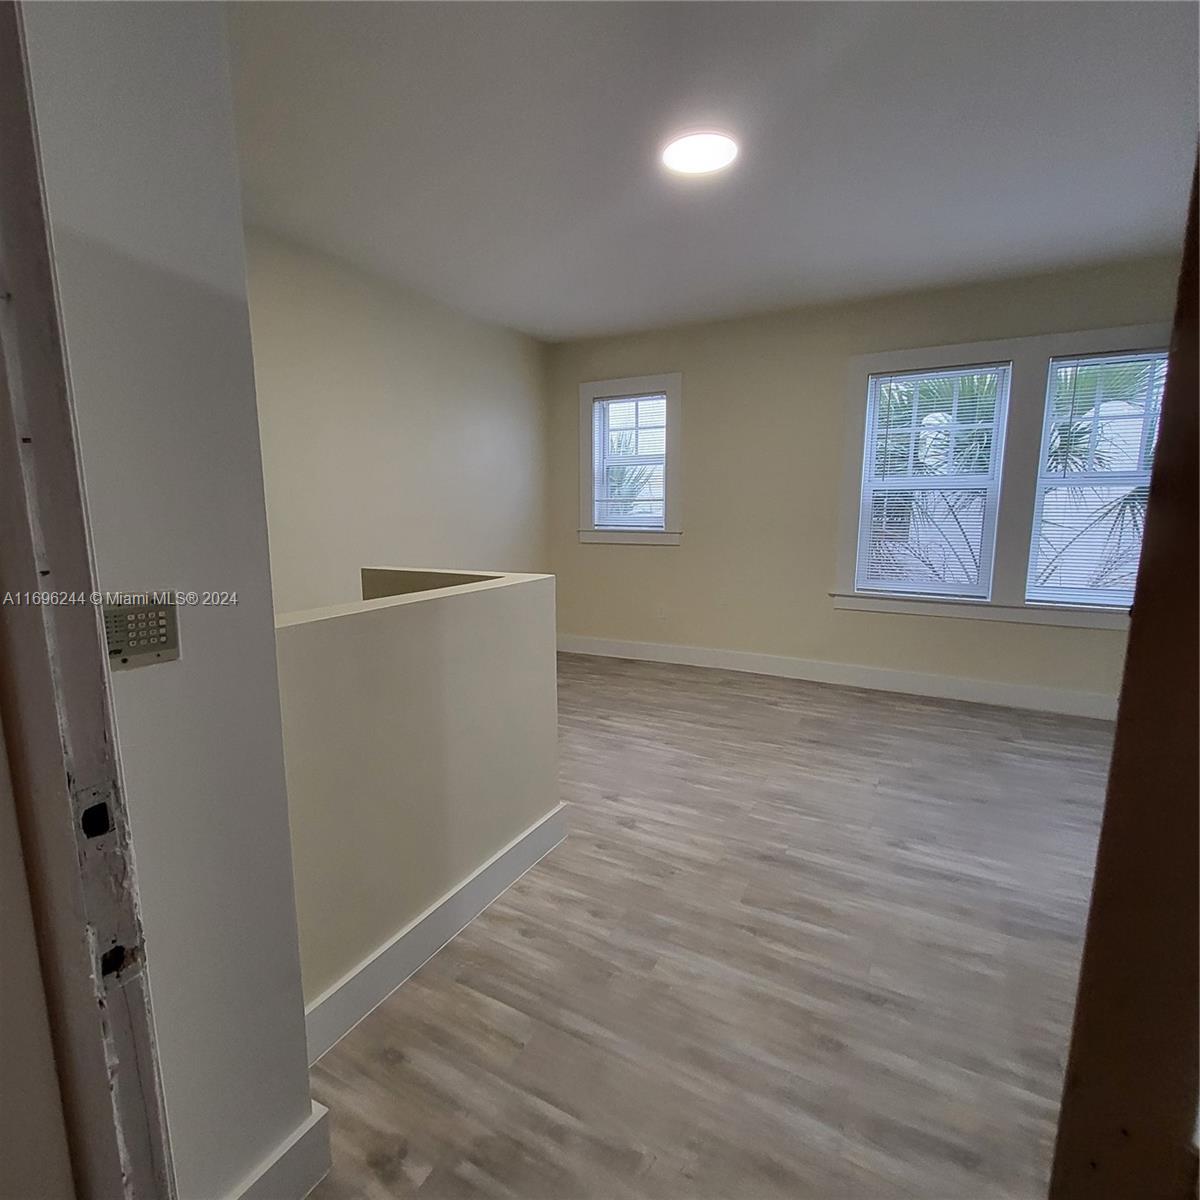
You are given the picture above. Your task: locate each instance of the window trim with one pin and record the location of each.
(1030, 358)
(671, 386)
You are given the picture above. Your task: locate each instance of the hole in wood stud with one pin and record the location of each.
(112, 960)
(95, 820)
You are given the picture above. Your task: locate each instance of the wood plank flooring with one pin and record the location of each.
(802, 941)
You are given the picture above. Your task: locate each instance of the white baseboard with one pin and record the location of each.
(337, 1010)
(296, 1166)
(946, 687)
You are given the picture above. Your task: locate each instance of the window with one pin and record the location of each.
(1098, 439)
(928, 517)
(629, 460)
(629, 455)
(1002, 480)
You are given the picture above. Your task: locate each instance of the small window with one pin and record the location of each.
(1098, 439)
(629, 447)
(931, 481)
(629, 459)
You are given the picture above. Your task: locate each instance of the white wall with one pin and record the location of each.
(133, 112)
(421, 738)
(393, 430)
(763, 457)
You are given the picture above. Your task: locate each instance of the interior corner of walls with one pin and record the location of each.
(412, 376)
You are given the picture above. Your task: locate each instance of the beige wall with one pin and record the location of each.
(397, 431)
(763, 447)
(393, 430)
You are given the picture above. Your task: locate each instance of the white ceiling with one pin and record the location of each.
(502, 156)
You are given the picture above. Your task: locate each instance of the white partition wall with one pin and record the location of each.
(420, 738)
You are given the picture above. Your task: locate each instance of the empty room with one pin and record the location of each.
(599, 600)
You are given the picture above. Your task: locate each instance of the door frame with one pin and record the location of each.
(56, 711)
(1127, 1124)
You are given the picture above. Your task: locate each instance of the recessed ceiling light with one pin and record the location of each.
(699, 153)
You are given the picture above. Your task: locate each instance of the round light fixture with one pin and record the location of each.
(699, 153)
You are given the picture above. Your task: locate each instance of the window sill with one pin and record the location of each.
(982, 610)
(632, 537)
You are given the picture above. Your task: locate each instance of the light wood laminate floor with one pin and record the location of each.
(801, 941)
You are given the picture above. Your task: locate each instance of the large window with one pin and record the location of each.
(931, 483)
(1098, 442)
(629, 459)
(1005, 480)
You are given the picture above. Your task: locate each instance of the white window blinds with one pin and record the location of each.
(1098, 438)
(931, 472)
(629, 462)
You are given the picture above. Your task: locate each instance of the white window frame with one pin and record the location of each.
(1091, 477)
(874, 485)
(671, 386)
(1022, 440)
